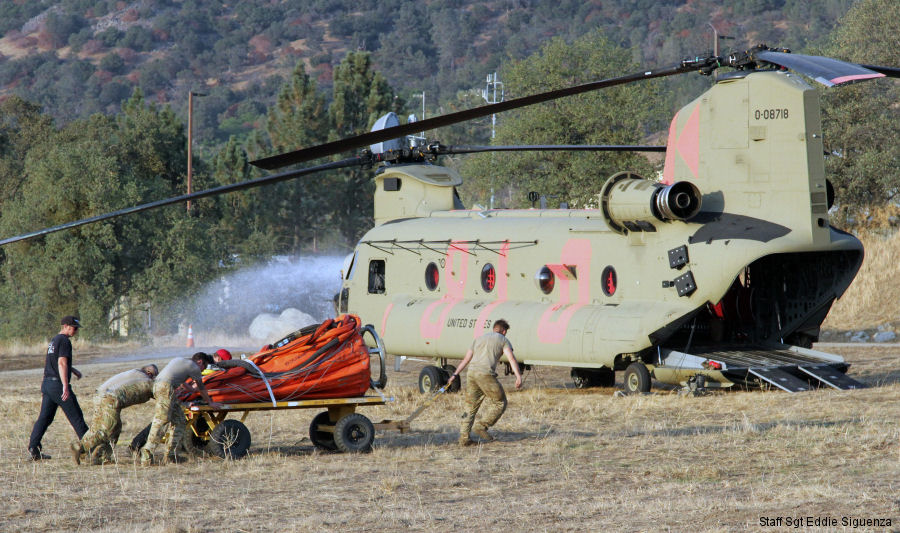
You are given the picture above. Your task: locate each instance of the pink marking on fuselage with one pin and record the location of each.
(669, 168)
(689, 141)
(856, 77)
(384, 317)
(455, 287)
(552, 326)
(502, 269)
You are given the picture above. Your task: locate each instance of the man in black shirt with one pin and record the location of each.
(56, 390)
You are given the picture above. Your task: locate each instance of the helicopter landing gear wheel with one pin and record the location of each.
(450, 370)
(431, 378)
(637, 379)
(323, 440)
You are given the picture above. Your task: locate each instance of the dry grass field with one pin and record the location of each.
(564, 460)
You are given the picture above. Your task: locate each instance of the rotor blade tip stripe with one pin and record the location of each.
(857, 77)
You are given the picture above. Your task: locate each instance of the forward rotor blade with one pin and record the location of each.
(365, 139)
(464, 149)
(265, 180)
(825, 70)
(890, 72)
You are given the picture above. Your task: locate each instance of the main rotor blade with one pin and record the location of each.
(265, 180)
(890, 72)
(825, 70)
(464, 149)
(365, 139)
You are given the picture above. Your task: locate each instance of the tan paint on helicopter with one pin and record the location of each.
(752, 145)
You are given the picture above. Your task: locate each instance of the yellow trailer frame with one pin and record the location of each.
(338, 428)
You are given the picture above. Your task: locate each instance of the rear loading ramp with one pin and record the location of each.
(787, 368)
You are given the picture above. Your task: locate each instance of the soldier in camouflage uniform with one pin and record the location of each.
(120, 391)
(169, 411)
(482, 382)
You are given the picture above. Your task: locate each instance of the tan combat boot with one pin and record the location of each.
(482, 433)
(77, 450)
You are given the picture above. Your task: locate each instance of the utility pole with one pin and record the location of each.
(190, 143)
(489, 93)
(422, 96)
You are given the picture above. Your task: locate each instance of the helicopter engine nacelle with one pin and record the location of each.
(633, 203)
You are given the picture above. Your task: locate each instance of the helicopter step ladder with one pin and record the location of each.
(787, 368)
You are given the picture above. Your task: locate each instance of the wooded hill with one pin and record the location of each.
(78, 57)
(93, 119)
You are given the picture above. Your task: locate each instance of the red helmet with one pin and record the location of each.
(224, 354)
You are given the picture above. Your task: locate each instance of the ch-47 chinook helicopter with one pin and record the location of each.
(719, 275)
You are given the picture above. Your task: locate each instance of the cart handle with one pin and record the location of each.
(379, 349)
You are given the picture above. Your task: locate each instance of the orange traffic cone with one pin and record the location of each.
(190, 341)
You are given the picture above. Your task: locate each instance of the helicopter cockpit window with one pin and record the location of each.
(376, 276)
(488, 278)
(432, 276)
(545, 279)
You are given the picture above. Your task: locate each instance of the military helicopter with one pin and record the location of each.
(719, 275)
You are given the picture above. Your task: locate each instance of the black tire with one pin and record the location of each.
(581, 377)
(140, 439)
(637, 379)
(321, 439)
(230, 439)
(457, 383)
(202, 428)
(593, 377)
(354, 434)
(605, 377)
(431, 378)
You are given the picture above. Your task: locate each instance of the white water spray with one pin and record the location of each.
(230, 303)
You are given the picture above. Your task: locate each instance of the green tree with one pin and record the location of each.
(95, 166)
(861, 122)
(361, 96)
(619, 115)
(299, 209)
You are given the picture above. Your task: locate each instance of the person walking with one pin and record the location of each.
(482, 382)
(168, 409)
(56, 388)
(125, 389)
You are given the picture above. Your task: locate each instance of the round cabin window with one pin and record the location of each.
(545, 279)
(488, 278)
(609, 281)
(432, 276)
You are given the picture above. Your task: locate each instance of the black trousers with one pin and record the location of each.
(51, 391)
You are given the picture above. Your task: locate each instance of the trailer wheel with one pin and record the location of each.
(230, 439)
(431, 378)
(321, 439)
(450, 370)
(140, 439)
(637, 379)
(354, 434)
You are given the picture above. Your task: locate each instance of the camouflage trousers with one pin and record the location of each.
(169, 412)
(107, 423)
(482, 388)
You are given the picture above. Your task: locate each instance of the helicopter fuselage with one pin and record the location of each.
(757, 264)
